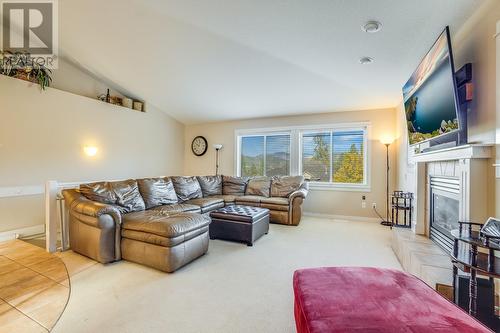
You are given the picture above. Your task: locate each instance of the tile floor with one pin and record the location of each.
(34, 285)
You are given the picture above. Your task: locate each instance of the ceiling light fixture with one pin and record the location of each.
(372, 27)
(365, 60)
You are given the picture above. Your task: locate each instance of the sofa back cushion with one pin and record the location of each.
(187, 188)
(283, 186)
(128, 196)
(259, 186)
(210, 185)
(99, 191)
(234, 185)
(157, 191)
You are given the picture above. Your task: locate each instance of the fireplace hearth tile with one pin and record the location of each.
(432, 275)
(418, 260)
(421, 257)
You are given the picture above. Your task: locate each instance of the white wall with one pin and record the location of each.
(71, 77)
(42, 135)
(474, 43)
(325, 202)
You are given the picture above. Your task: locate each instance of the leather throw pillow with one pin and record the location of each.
(259, 186)
(187, 188)
(210, 185)
(157, 191)
(128, 196)
(283, 186)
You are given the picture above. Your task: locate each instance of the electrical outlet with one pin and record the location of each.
(363, 204)
(374, 205)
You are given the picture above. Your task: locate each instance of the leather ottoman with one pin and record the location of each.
(239, 223)
(368, 299)
(164, 241)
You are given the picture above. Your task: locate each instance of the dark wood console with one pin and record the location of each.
(474, 254)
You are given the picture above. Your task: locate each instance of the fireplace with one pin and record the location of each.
(444, 209)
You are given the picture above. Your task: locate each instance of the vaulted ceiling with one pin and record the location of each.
(210, 60)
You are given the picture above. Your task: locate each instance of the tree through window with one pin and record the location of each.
(335, 156)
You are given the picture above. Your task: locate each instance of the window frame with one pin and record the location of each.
(296, 140)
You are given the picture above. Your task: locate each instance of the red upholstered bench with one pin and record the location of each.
(358, 299)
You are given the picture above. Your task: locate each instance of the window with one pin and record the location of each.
(265, 155)
(317, 156)
(348, 157)
(334, 156)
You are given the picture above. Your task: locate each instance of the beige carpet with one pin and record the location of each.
(233, 288)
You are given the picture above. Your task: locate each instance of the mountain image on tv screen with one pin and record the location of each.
(429, 95)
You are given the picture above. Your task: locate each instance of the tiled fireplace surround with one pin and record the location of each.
(470, 164)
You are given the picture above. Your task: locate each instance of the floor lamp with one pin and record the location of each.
(217, 147)
(387, 142)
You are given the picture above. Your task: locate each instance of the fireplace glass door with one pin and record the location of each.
(444, 213)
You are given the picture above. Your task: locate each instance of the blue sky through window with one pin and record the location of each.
(252, 146)
(342, 141)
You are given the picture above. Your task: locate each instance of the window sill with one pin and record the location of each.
(339, 187)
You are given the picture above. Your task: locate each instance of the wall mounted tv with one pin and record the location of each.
(430, 96)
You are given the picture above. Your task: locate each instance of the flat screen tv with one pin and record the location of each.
(430, 95)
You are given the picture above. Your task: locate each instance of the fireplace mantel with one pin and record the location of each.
(471, 151)
(468, 163)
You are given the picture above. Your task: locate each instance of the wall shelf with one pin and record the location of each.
(29, 83)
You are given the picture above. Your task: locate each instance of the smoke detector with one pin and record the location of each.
(372, 27)
(365, 60)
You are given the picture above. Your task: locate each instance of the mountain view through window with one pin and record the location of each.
(265, 155)
(330, 156)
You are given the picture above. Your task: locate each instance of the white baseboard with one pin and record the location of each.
(22, 232)
(343, 217)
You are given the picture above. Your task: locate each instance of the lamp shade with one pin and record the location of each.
(387, 139)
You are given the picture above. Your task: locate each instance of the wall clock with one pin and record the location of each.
(199, 146)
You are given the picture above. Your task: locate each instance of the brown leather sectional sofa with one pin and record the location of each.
(163, 222)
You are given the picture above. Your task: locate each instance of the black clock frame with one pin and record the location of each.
(206, 145)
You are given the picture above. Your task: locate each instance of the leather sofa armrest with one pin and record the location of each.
(296, 199)
(89, 211)
(101, 239)
(301, 192)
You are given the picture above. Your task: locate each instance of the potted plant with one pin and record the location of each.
(21, 66)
